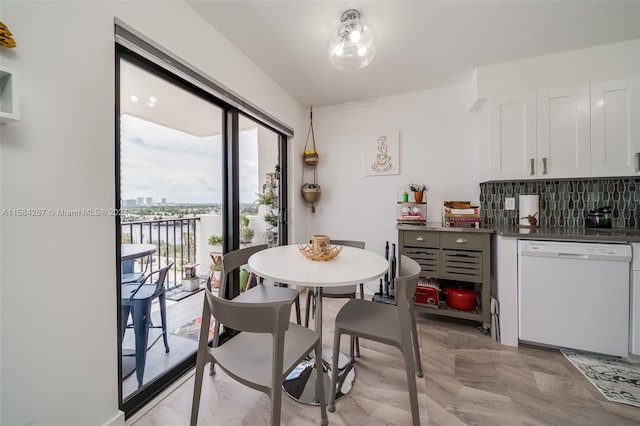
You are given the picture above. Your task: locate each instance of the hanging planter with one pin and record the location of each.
(310, 154)
(311, 194)
(311, 190)
(310, 157)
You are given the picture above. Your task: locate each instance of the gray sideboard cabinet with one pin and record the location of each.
(456, 254)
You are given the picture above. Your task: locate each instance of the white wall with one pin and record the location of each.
(437, 147)
(605, 62)
(58, 296)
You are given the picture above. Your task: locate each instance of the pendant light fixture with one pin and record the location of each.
(352, 43)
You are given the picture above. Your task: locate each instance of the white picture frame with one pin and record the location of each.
(382, 153)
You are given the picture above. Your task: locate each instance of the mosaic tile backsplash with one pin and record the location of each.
(564, 202)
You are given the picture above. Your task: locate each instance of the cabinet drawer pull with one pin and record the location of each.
(544, 165)
(461, 241)
(531, 164)
(637, 161)
(419, 239)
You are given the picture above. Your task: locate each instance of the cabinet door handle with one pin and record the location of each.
(461, 241)
(531, 164)
(637, 161)
(419, 239)
(544, 165)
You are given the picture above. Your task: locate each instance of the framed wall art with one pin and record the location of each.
(382, 153)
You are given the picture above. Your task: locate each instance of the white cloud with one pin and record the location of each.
(162, 162)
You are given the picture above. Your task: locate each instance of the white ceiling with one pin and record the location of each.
(421, 44)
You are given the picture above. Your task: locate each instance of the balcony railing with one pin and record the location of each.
(175, 240)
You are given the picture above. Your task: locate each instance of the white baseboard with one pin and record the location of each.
(118, 420)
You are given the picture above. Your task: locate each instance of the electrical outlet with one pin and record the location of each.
(509, 203)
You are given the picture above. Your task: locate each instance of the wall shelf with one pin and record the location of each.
(9, 96)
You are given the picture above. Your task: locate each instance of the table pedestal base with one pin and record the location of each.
(300, 385)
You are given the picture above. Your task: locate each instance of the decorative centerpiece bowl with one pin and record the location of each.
(309, 253)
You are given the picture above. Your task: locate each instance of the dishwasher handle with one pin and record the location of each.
(573, 256)
(576, 256)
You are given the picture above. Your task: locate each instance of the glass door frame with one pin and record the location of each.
(230, 210)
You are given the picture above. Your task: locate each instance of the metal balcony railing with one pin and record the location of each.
(175, 240)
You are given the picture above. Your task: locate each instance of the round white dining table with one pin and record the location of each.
(287, 265)
(134, 251)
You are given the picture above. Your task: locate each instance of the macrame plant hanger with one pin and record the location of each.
(310, 190)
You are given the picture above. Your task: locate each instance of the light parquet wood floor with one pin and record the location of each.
(469, 380)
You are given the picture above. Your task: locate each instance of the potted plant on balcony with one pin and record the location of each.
(271, 219)
(267, 198)
(246, 233)
(215, 240)
(418, 191)
(216, 269)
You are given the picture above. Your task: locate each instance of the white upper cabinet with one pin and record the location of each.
(563, 132)
(543, 135)
(615, 128)
(513, 137)
(582, 131)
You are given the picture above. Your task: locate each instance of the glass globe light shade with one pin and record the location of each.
(352, 43)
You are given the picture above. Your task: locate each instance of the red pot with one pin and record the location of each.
(460, 298)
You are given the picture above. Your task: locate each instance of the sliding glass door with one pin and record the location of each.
(260, 183)
(195, 178)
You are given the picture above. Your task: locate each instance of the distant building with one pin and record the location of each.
(164, 201)
(149, 201)
(129, 203)
(140, 201)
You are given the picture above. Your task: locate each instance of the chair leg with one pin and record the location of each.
(320, 385)
(277, 378)
(413, 390)
(308, 307)
(124, 317)
(297, 303)
(357, 338)
(334, 369)
(415, 344)
(141, 329)
(197, 387)
(216, 334)
(352, 342)
(163, 319)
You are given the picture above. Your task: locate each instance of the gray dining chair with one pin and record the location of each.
(258, 294)
(389, 324)
(262, 355)
(136, 299)
(342, 292)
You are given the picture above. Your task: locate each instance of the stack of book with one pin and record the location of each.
(411, 217)
(461, 214)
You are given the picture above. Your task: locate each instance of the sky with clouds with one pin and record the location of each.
(162, 162)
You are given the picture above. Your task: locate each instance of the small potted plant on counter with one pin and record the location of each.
(418, 190)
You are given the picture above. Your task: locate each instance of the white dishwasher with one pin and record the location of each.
(574, 295)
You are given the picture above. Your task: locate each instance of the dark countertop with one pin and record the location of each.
(565, 233)
(541, 233)
(437, 226)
